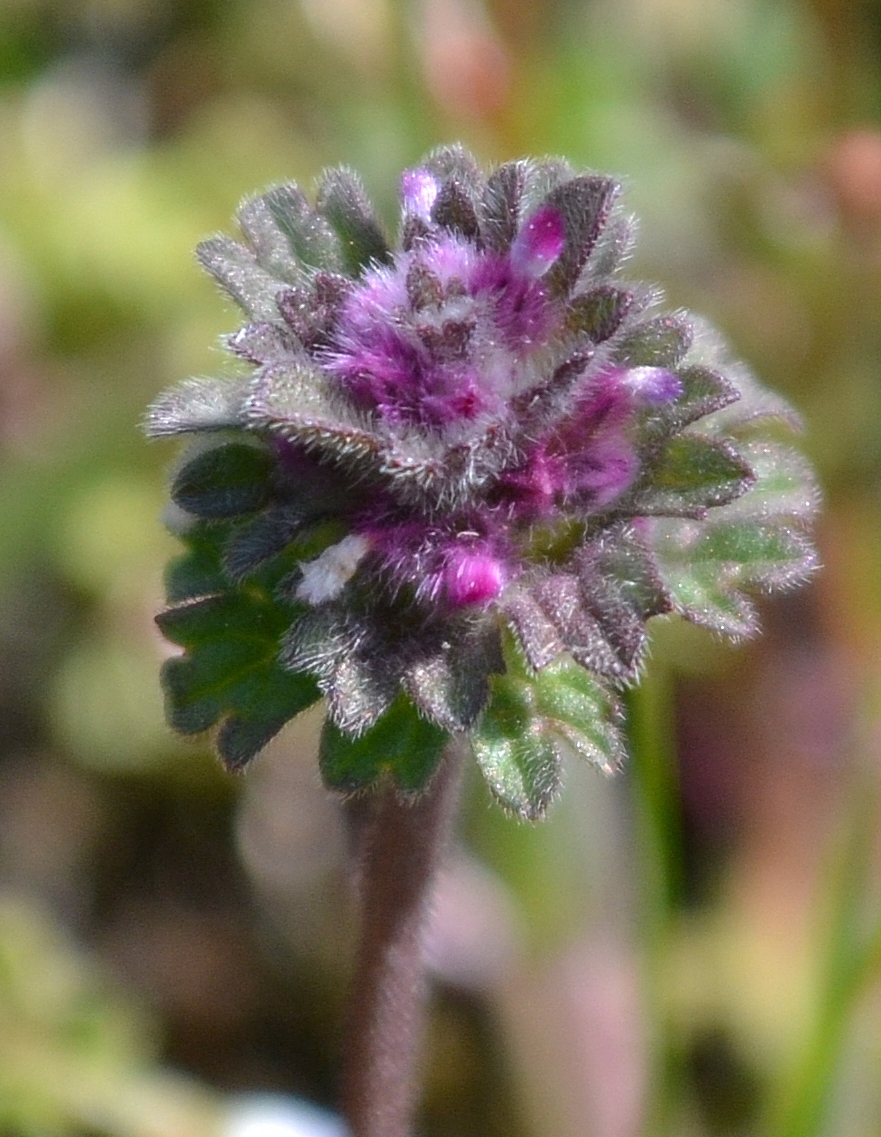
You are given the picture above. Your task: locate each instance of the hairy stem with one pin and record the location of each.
(399, 843)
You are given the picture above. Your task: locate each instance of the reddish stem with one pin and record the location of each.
(400, 843)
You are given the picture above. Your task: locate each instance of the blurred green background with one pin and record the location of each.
(694, 949)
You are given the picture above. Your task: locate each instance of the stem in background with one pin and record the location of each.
(851, 961)
(399, 843)
(659, 865)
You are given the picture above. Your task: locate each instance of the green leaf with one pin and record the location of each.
(224, 481)
(703, 599)
(584, 712)
(198, 571)
(659, 342)
(692, 473)
(236, 270)
(784, 488)
(599, 313)
(269, 241)
(759, 554)
(530, 723)
(230, 673)
(402, 744)
(343, 201)
(521, 764)
(310, 236)
(705, 566)
(704, 390)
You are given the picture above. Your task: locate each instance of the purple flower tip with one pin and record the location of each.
(652, 384)
(539, 242)
(471, 578)
(418, 192)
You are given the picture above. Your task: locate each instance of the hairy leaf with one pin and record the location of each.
(704, 390)
(450, 685)
(659, 342)
(706, 565)
(309, 234)
(784, 489)
(342, 199)
(257, 541)
(198, 404)
(454, 162)
(533, 720)
(614, 245)
(584, 203)
(599, 313)
(198, 571)
(500, 206)
(236, 270)
(224, 481)
(455, 210)
(263, 343)
(536, 632)
(622, 590)
(230, 673)
(268, 241)
(693, 473)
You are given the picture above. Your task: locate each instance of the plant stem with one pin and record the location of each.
(850, 962)
(399, 843)
(658, 829)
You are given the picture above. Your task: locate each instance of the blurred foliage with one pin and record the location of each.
(749, 134)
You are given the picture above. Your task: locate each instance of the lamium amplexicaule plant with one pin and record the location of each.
(449, 483)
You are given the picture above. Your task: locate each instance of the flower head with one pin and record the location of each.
(459, 474)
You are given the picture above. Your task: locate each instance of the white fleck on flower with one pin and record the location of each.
(326, 576)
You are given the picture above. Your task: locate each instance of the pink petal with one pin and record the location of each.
(418, 192)
(539, 242)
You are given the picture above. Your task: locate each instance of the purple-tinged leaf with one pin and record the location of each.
(500, 206)
(568, 608)
(703, 391)
(584, 204)
(454, 162)
(264, 343)
(454, 210)
(622, 589)
(450, 684)
(360, 689)
(536, 633)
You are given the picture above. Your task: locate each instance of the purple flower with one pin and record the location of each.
(476, 438)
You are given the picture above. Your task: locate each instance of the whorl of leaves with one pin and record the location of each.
(271, 616)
